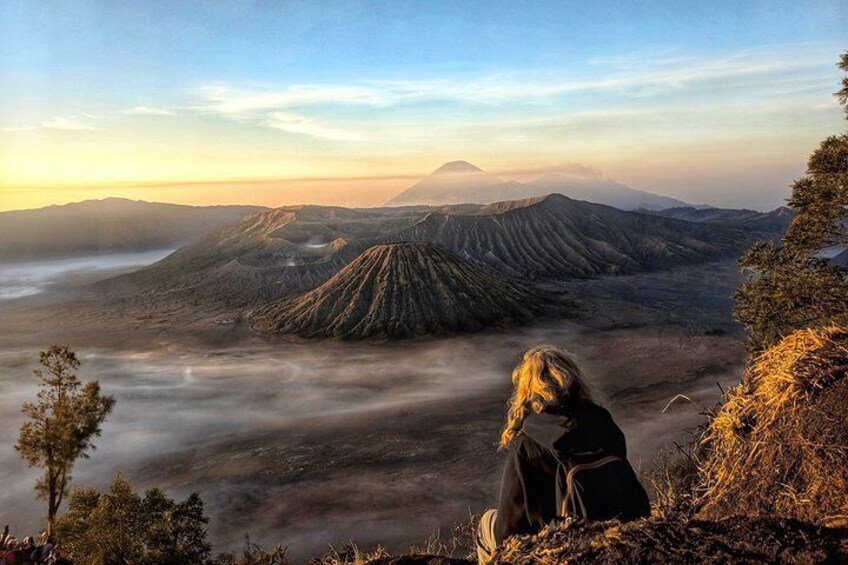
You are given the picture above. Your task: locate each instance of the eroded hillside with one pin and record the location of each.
(401, 290)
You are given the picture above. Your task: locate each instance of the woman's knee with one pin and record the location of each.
(486, 542)
(488, 518)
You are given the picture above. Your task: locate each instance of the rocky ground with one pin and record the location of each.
(734, 540)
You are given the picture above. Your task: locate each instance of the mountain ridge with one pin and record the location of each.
(109, 225)
(278, 253)
(776, 220)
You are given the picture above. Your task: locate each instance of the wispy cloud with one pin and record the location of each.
(147, 111)
(242, 102)
(313, 109)
(294, 123)
(70, 123)
(656, 76)
(17, 128)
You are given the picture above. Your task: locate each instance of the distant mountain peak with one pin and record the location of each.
(457, 167)
(460, 182)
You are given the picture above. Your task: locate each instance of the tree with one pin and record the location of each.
(180, 532)
(61, 424)
(105, 528)
(842, 94)
(120, 527)
(790, 286)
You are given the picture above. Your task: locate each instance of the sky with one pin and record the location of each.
(349, 102)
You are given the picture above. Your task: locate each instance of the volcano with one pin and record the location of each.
(402, 290)
(460, 182)
(456, 182)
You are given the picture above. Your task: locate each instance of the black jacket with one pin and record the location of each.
(528, 499)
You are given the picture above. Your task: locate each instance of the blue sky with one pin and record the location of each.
(711, 102)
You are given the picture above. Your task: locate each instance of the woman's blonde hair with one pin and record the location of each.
(546, 377)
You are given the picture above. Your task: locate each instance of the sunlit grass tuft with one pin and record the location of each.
(779, 445)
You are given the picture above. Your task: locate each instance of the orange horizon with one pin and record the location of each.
(371, 190)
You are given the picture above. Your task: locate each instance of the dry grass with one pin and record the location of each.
(254, 554)
(452, 547)
(456, 544)
(350, 554)
(779, 445)
(671, 481)
(653, 540)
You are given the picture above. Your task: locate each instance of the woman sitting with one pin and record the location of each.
(566, 457)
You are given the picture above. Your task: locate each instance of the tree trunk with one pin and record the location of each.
(51, 513)
(51, 505)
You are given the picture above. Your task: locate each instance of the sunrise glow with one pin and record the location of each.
(346, 105)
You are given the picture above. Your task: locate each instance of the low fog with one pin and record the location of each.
(19, 279)
(311, 443)
(206, 421)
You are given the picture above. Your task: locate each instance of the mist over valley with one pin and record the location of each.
(292, 436)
